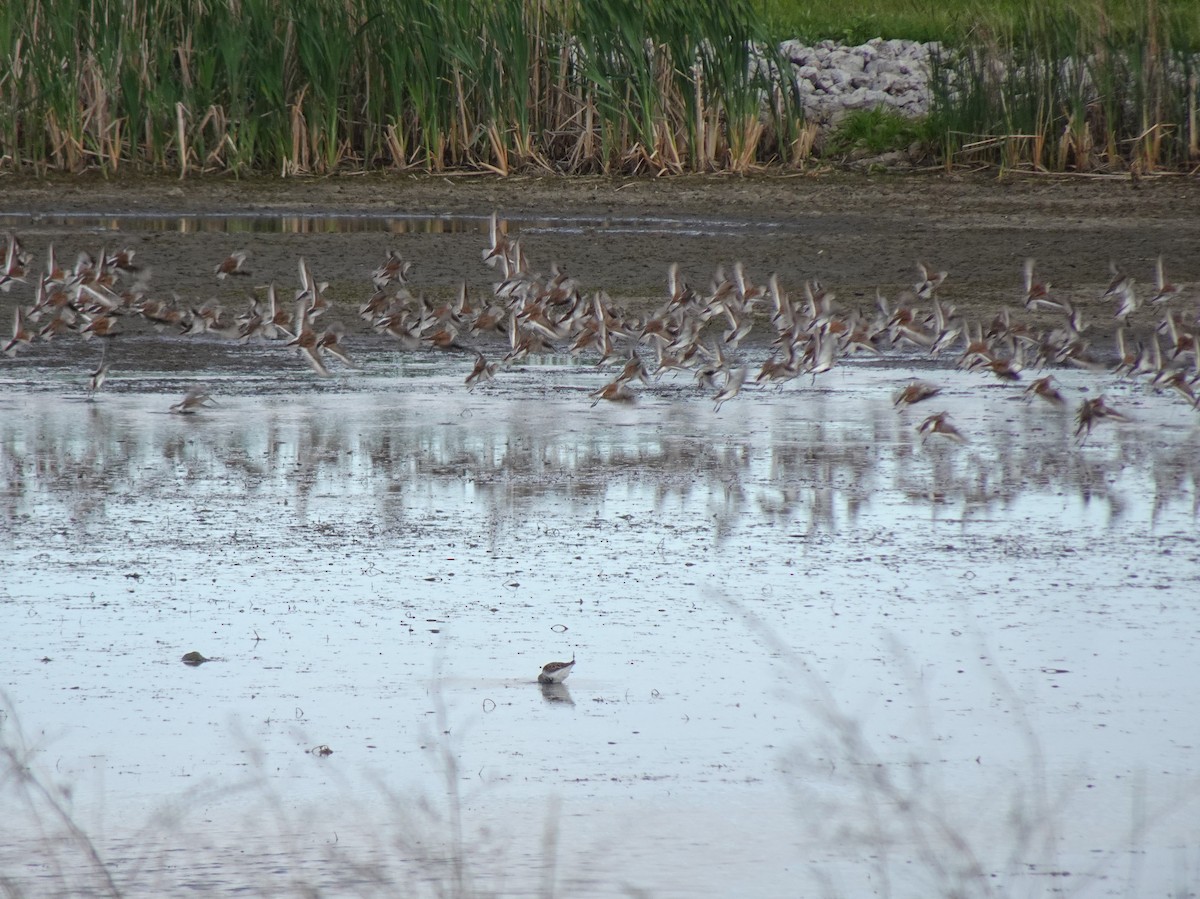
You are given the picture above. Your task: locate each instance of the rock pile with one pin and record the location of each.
(832, 79)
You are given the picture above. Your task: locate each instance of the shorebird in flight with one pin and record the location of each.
(233, 264)
(16, 262)
(915, 392)
(1037, 293)
(498, 250)
(21, 335)
(193, 401)
(1092, 412)
(1046, 389)
(1164, 290)
(929, 282)
(614, 391)
(940, 424)
(734, 379)
(483, 371)
(97, 378)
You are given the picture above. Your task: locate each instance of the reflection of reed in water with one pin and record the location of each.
(1175, 475)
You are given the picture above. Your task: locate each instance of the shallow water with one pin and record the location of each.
(272, 222)
(815, 653)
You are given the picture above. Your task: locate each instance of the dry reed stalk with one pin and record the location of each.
(499, 152)
(1011, 155)
(1037, 151)
(113, 143)
(184, 53)
(439, 154)
(743, 144)
(66, 149)
(181, 138)
(1193, 117)
(1064, 147)
(803, 144)
(698, 116)
(298, 162)
(712, 136)
(214, 116)
(16, 63)
(560, 92)
(460, 102)
(1148, 147)
(578, 154)
(394, 141)
(343, 152)
(667, 148)
(94, 100)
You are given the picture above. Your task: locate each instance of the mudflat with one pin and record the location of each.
(854, 233)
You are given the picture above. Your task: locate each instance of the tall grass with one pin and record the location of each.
(1075, 88)
(325, 85)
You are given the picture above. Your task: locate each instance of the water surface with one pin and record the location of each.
(815, 652)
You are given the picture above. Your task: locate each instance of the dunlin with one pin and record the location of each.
(556, 672)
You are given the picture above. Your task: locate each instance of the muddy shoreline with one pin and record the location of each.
(856, 234)
(932, 195)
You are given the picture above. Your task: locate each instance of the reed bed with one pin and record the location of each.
(1090, 87)
(567, 86)
(298, 86)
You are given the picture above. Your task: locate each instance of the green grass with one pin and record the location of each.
(876, 131)
(857, 21)
(954, 21)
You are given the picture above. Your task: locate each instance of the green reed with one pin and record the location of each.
(1099, 86)
(324, 85)
(298, 86)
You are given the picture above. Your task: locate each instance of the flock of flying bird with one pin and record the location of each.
(696, 333)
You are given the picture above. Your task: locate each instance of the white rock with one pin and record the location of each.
(864, 98)
(835, 78)
(809, 74)
(849, 62)
(831, 78)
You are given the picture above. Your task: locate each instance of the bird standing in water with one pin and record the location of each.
(556, 672)
(96, 381)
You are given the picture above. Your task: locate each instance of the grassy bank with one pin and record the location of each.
(317, 86)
